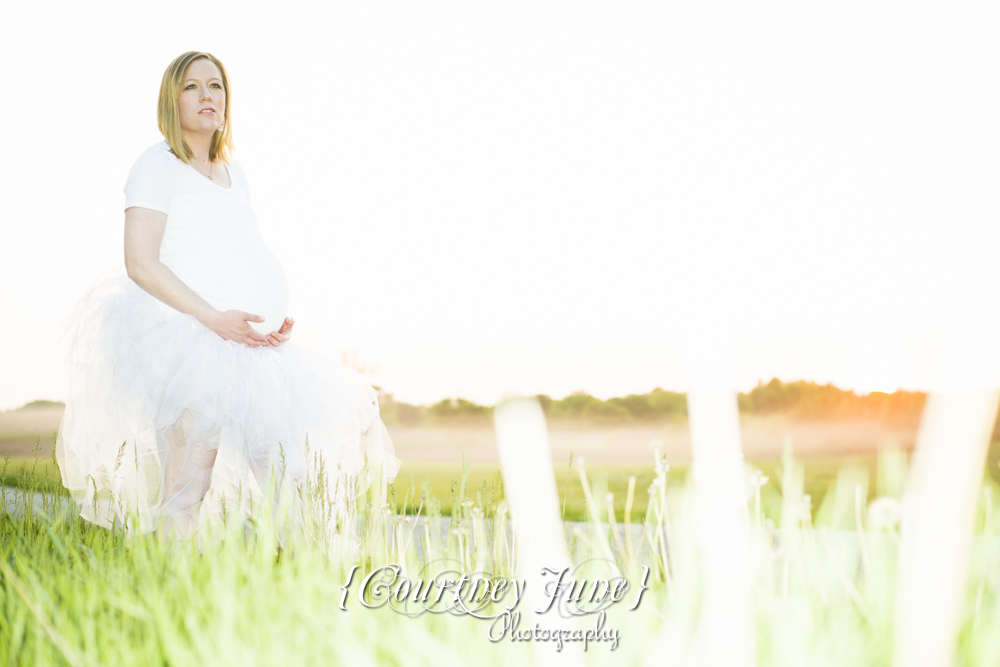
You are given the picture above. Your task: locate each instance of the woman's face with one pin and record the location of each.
(203, 98)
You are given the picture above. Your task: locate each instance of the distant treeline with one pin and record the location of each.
(795, 400)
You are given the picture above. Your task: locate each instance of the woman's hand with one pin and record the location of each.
(234, 325)
(276, 338)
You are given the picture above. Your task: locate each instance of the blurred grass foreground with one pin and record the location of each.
(822, 562)
(828, 428)
(823, 578)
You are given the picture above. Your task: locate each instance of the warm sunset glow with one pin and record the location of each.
(496, 198)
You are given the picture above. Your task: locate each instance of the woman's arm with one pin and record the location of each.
(144, 229)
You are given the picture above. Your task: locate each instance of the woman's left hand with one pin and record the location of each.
(276, 338)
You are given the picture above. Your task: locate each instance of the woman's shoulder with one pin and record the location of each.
(157, 156)
(159, 151)
(152, 180)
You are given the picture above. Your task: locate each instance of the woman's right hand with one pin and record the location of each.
(234, 325)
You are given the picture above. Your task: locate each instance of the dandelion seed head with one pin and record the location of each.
(885, 512)
(806, 506)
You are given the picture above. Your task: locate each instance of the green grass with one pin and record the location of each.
(74, 593)
(483, 486)
(444, 481)
(820, 474)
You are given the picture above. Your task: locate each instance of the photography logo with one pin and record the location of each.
(479, 593)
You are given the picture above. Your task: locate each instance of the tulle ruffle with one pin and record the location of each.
(161, 412)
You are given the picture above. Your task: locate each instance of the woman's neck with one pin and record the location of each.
(200, 144)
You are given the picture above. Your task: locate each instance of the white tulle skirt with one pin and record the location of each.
(167, 423)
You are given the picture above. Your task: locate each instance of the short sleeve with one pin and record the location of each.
(243, 179)
(150, 182)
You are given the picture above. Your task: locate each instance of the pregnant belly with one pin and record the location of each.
(253, 282)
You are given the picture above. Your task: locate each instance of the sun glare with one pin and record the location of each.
(865, 389)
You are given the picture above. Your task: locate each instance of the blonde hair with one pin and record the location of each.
(168, 114)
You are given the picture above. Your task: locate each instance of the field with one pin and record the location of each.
(823, 588)
(612, 454)
(823, 566)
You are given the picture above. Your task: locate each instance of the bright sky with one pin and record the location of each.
(484, 198)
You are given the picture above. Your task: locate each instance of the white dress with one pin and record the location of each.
(162, 412)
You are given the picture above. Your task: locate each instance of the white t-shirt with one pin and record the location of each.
(212, 241)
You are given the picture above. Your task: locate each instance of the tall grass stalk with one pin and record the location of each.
(266, 588)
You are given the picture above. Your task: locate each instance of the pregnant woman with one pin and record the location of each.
(183, 377)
